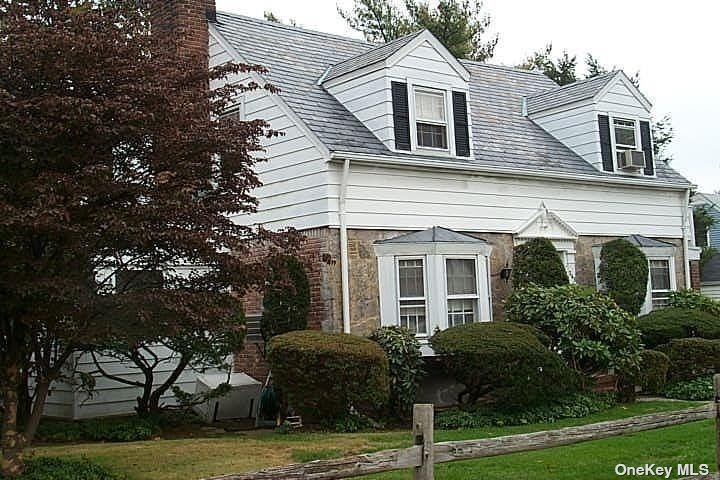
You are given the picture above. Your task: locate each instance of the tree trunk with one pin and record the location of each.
(38, 405)
(154, 404)
(13, 441)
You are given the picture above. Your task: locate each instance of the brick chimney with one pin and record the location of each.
(185, 22)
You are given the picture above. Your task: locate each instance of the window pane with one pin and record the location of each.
(660, 274)
(412, 283)
(433, 136)
(461, 278)
(461, 311)
(624, 132)
(430, 106)
(412, 315)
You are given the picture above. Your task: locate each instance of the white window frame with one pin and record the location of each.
(671, 274)
(635, 133)
(417, 119)
(474, 297)
(424, 298)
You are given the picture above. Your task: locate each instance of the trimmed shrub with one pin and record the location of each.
(588, 329)
(504, 364)
(53, 468)
(406, 367)
(694, 300)
(692, 357)
(537, 261)
(322, 375)
(653, 372)
(123, 429)
(286, 299)
(661, 326)
(696, 389)
(624, 274)
(573, 406)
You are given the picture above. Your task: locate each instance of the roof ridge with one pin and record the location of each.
(296, 28)
(575, 83)
(380, 45)
(502, 67)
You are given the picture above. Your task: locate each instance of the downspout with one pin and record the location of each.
(344, 266)
(686, 238)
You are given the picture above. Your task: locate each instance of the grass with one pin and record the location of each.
(194, 458)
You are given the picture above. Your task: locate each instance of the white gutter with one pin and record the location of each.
(440, 164)
(686, 238)
(344, 266)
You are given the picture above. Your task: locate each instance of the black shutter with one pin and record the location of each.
(646, 142)
(605, 145)
(460, 117)
(401, 115)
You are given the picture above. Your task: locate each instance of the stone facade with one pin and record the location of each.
(321, 255)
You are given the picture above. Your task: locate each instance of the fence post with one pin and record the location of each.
(423, 434)
(716, 387)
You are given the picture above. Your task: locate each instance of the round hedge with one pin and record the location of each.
(406, 367)
(653, 373)
(322, 374)
(286, 299)
(661, 326)
(503, 363)
(624, 274)
(692, 358)
(587, 328)
(536, 261)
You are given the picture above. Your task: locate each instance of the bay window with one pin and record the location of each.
(411, 298)
(462, 292)
(660, 283)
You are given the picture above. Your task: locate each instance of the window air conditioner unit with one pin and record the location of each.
(631, 159)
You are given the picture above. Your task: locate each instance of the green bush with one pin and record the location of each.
(503, 363)
(536, 261)
(322, 375)
(52, 468)
(692, 299)
(696, 389)
(406, 367)
(588, 329)
(624, 274)
(661, 326)
(122, 429)
(692, 357)
(573, 406)
(286, 299)
(653, 372)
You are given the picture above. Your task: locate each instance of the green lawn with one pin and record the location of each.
(189, 459)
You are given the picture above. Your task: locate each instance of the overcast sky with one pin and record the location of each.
(674, 46)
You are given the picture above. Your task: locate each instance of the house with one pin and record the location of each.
(710, 268)
(418, 173)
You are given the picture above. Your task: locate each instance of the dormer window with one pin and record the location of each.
(431, 119)
(624, 134)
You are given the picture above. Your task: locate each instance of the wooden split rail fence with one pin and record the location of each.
(423, 456)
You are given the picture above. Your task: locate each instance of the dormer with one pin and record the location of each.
(604, 119)
(411, 93)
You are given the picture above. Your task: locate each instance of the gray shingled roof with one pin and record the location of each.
(502, 137)
(642, 241)
(573, 92)
(369, 57)
(434, 234)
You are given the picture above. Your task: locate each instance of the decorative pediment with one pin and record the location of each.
(547, 224)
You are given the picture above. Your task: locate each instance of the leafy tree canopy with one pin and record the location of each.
(460, 25)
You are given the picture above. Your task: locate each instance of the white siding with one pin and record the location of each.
(620, 102)
(392, 198)
(369, 99)
(424, 64)
(110, 397)
(294, 171)
(712, 291)
(576, 126)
